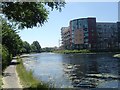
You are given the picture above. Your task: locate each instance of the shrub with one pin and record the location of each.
(6, 57)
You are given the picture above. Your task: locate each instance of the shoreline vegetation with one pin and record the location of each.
(85, 51)
(71, 51)
(27, 79)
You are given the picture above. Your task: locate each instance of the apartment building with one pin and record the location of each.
(86, 33)
(83, 33)
(107, 36)
(66, 37)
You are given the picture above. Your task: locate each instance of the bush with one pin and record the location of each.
(72, 51)
(6, 57)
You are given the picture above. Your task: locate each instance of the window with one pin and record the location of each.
(86, 40)
(86, 34)
(92, 30)
(92, 34)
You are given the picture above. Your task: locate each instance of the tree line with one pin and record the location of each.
(34, 47)
(13, 45)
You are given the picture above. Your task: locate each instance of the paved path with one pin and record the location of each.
(10, 77)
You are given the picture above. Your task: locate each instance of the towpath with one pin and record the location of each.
(10, 77)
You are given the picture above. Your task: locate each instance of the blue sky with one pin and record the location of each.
(49, 34)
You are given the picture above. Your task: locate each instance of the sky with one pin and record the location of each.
(50, 33)
(119, 11)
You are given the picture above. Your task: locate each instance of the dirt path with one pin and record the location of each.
(10, 77)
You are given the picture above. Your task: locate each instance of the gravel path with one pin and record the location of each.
(10, 77)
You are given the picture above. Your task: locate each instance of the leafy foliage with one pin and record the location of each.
(12, 44)
(56, 4)
(6, 57)
(11, 39)
(29, 14)
(26, 47)
(48, 49)
(35, 47)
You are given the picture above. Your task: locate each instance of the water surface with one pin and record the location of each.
(75, 70)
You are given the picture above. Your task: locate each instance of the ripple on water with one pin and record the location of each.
(110, 84)
(66, 70)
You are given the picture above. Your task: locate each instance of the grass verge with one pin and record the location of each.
(26, 78)
(72, 51)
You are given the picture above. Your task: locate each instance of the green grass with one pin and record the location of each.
(26, 78)
(72, 51)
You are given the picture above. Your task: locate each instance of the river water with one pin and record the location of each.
(75, 70)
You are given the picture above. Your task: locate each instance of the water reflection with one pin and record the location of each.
(74, 70)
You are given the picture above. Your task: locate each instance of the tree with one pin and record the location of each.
(26, 47)
(6, 56)
(35, 47)
(29, 14)
(11, 39)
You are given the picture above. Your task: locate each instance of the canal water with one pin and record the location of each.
(75, 70)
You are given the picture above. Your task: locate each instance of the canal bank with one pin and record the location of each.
(72, 51)
(27, 79)
(84, 51)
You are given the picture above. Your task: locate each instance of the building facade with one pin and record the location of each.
(86, 33)
(83, 33)
(107, 36)
(66, 39)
